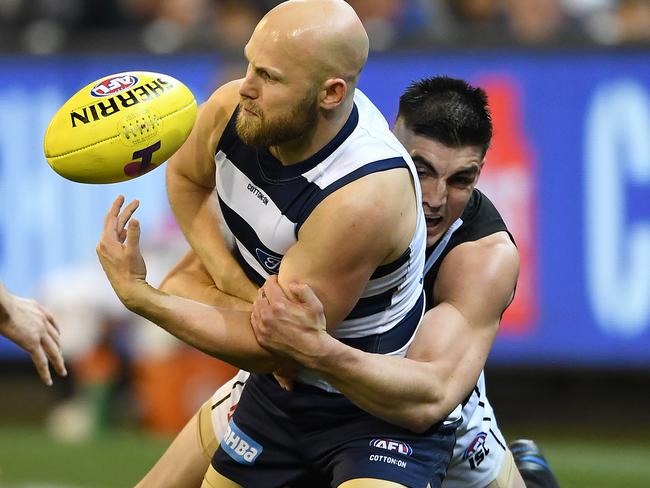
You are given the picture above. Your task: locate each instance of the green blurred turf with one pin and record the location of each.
(30, 459)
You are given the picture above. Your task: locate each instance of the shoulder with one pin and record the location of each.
(485, 268)
(370, 219)
(373, 199)
(492, 254)
(194, 160)
(215, 113)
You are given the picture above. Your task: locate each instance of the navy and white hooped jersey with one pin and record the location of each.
(264, 204)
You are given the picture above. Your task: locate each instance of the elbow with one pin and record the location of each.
(427, 415)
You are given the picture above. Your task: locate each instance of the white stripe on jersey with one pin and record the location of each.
(229, 184)
(441, 245)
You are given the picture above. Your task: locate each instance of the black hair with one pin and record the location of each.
(448, 110)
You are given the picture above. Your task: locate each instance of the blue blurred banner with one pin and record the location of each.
(569, 169)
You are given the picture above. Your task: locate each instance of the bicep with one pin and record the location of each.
(337, 287)
(338, 248)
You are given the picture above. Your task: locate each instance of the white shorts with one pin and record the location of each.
(479, 453)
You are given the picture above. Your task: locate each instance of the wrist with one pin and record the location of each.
(329, 356)
(137, 295)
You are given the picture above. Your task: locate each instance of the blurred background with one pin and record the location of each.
(569, 86)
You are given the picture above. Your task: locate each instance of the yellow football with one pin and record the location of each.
(119, 127)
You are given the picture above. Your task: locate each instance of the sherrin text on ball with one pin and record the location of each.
(119, 127)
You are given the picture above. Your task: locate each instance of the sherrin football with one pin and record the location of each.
(119, 127)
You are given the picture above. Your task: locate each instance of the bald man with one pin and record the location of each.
(307, 181)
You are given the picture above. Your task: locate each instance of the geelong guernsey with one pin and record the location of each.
(264, 204)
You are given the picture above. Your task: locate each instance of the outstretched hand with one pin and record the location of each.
(28, 324)
(294, 328)
(119, 251)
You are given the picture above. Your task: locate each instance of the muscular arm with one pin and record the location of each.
(344, 240)
(190, 186)
(474, 286)
(189, 279)
(223, 333)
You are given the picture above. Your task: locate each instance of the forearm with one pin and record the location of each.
(184, 283)
(195, 208)
(222, 333)
(401, 391)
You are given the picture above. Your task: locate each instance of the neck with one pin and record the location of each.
(308, 144)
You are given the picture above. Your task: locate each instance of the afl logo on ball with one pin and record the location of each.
(114, 84)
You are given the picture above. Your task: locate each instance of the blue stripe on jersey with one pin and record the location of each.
(387, 269)
(374, 167)
(252, 275)
(393, 339)
(372, 305)
(247, 236)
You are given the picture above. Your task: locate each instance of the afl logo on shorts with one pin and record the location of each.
(391, 445)
(114, 84)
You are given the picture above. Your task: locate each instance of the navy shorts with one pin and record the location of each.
(276, 437)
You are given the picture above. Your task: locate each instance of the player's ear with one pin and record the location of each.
(333, 93)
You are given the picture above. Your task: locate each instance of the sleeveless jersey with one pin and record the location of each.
(264, 205)
(480, 446)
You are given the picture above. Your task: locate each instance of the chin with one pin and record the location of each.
(432, 239)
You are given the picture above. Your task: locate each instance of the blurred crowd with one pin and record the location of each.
(166, 26)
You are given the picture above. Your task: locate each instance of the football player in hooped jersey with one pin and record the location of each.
(307, 177)
(441, 122)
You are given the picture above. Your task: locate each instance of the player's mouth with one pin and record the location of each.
(433, 221)
(250, 113)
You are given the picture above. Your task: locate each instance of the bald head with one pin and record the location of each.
(323, 36)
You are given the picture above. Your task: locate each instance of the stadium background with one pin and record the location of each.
(570, 169)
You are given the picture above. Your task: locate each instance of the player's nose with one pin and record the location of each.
(434, 192)
(248, 88)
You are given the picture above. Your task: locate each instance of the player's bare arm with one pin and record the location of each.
(190, 186)
(190, 279)
(474, 286)
(222, 333)
(344, 240)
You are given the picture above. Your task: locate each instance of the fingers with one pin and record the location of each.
(306, 296)
(123, 218)
(53, 352)
(116, 218)
(133, 237)
(54, 334)
(48, 316)
(113, 212)
(40, 361)
(273, 291)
